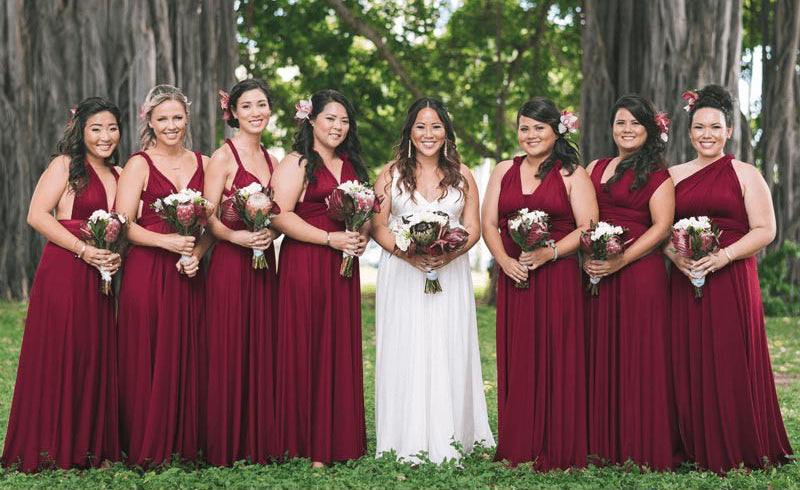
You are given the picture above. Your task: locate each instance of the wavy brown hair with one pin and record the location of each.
(449, 166)
(72, 145)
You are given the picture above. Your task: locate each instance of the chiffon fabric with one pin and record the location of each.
(241, 312)
(161, 342)
(428, 383)
(64, 410)
(631, 404)
(541, 369)
(320, 394)
(727, 405)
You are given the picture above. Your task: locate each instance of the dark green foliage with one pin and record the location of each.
(779, 290)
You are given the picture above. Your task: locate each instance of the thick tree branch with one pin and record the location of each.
(368, 32)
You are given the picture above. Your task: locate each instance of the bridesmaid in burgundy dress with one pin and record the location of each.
(727, 405)
(540, 335)
(241, 302)
(64, 412)
(631, 409)
(161, 302)
(320, 396)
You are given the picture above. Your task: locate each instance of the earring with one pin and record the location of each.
(409, 149)
(445, 149)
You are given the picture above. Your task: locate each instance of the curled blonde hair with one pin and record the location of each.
(157, 95)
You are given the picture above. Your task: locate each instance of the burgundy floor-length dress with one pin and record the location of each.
(320, 397)
(541, 376)
(64, 411)
(727, 405)
(241, 311)
(631, 408)
(160, 342)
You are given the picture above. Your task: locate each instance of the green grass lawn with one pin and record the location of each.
(368, 472)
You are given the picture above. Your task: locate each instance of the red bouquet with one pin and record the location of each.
(695, 238)
(187, 211)
(354, 203)
(104, 230)
(255, 207)
(600, 242)
(530, 230)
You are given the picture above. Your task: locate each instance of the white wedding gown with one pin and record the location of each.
(428, 383)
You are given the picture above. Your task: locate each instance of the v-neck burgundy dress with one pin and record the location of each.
(64, 412)
(160, 341)
(241, 312)
(320, 395)
(727, 405)
(541, 371)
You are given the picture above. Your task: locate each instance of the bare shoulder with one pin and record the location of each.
(745, 169)
(273, 160)
(579, 173)
(386, 172)
(291, 158)
(501, 168)
(136, 163)
(591, 165)
(222, 153)
(59, 165)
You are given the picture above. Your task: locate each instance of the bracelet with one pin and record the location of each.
(80, 255)
(328, 238)
(730, 259)
(555, 252)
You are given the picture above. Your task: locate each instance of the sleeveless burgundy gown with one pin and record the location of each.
(631, 406)
(241, 311)
(727, 405)
(541, 371)
(64, 411)
(320, 395)
(160, 342)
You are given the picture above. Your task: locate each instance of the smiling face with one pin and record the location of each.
(428, 133)
(709, 132)
(536, 138)
(629, 133)
(101, 135)
(331, 125)
(168, 121)
(253, 111)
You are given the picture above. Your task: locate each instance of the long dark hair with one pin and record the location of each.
(72, 145)
(351, 146)
(449, 163)
(565, 150)
(648, 158)
(239, 89)
(715, 97)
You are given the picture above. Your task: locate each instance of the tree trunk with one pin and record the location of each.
(59, 52)
(779, 146)
(658, 49)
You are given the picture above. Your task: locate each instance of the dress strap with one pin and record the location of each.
(269, 161)
(235, 153)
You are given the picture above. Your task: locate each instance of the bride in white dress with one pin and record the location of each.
(428, 384)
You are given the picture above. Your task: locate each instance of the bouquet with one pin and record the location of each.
(354, 203)
(255, 207)
(530, 230)
(104, 230)
(187, 211)
(428, 233)
(602, 241)
(695, 238)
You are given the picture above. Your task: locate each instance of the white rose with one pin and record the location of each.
(99, 215)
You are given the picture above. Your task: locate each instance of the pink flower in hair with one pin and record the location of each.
(690, 96)
(143, 111)
(568, 123)
(72, 112)
(304, 109)
(663, 122)
(225, 104)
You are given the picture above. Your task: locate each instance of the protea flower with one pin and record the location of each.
(112, 230)
(682, 242)
(185, 214)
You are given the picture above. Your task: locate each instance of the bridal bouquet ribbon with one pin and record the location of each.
(695, 237)
(601, 242)
(354, 203)
(428, 233)
(530, 230)
(186, 211)
(104, 230)
(254, 206)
